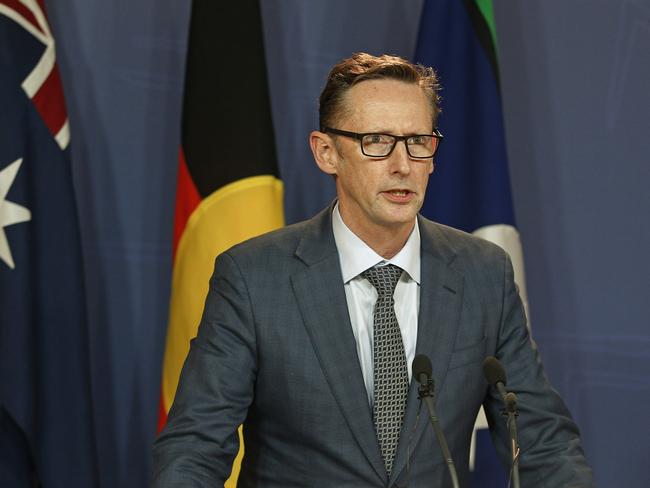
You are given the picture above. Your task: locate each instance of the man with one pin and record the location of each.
(309, 332)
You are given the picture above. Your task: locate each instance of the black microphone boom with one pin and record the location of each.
(495, 375)
(422, 371)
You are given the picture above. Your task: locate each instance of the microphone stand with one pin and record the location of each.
(425, 392)
(510, 400)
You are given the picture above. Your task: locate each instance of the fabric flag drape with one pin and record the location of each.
(46, 426)
(470, 188)
(228, 186)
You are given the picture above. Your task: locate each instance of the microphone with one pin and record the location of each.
(422, 371)
(495, 375)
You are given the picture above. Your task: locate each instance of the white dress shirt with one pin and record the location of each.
(355, 257)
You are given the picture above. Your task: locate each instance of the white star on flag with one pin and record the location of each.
(10, 213)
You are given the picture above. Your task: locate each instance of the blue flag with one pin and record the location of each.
(470, 188)
(46, 428)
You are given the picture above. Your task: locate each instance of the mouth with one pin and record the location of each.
(399, 195)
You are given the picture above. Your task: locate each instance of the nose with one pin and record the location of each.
(400, 162)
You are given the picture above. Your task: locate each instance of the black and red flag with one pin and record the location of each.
(228, 186)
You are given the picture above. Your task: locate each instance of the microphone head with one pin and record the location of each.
(493, 371)
(422, 365)
(511, 402)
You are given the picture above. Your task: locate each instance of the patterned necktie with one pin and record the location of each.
(391, 381)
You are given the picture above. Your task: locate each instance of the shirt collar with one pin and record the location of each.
(356, 256)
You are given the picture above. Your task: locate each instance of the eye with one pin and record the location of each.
(377, 145)
(419, 140)
(378, 139)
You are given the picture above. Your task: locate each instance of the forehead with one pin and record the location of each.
(390, 105)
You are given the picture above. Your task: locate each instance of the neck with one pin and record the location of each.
(388, 249)
(386, 242)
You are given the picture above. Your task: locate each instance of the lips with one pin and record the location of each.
(399, 195)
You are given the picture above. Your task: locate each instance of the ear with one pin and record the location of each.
(433, 167)
(324, 151)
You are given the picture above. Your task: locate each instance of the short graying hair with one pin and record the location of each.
(362, 67)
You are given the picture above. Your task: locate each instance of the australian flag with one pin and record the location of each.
(470, 189)
(46, 428)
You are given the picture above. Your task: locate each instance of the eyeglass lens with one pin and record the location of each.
(379, 145)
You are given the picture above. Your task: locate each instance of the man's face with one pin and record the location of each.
(380, 194)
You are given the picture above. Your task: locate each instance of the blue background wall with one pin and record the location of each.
(575, 77)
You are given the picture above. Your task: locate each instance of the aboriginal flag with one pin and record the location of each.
(471, 187)
(228, 186)
(46, 427)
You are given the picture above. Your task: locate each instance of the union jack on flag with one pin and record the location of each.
(43, 83)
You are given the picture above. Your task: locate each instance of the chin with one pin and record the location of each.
(399, 220)
(402, 216)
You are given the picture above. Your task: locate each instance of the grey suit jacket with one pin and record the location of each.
(275, 351)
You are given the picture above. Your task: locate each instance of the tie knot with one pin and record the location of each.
(383, 278)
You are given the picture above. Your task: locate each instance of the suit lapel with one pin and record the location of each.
(321, 298)
(441, 290)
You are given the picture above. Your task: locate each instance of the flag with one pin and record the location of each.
(470, 188)
(228, 187)
(46, 426)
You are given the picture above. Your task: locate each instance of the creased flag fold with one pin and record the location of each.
(46, 416)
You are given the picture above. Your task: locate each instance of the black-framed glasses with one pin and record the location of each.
(374, 145)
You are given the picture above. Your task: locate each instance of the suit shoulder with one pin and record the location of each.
(275, 244)
(462, 244)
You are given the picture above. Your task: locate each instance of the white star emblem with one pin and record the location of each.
(10, 213)
(479, 423)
